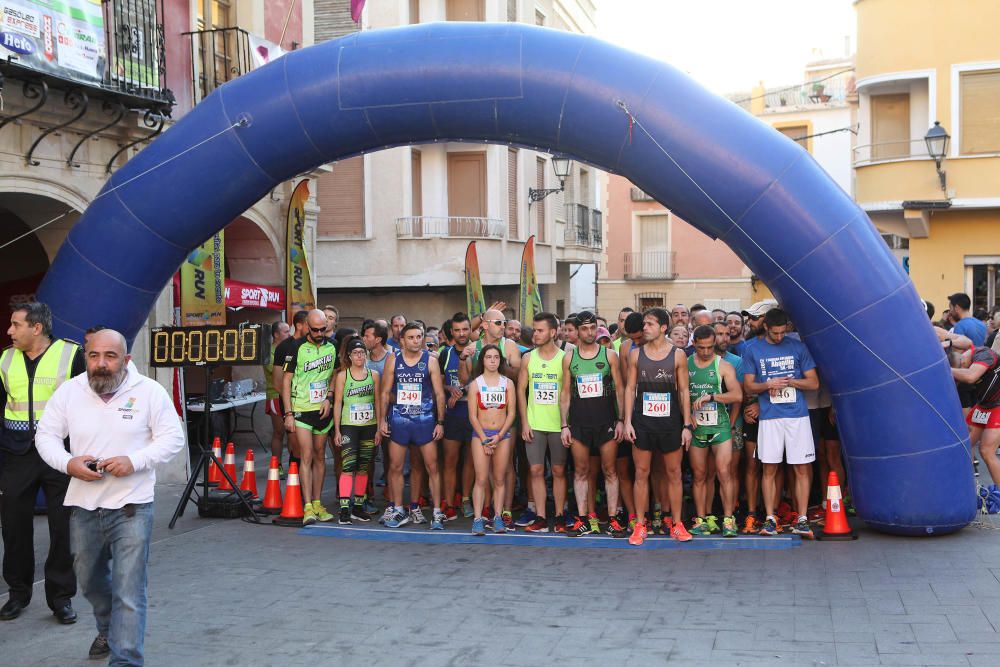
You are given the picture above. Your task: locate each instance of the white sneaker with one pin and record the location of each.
(416, 516)
(386, 515)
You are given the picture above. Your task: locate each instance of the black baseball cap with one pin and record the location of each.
(586, 317)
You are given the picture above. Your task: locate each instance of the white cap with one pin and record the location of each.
(760, 308)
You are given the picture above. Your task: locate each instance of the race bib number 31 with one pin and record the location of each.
(545, 393)
(408, 394)
(655, 404)
(707, 416)
(785, 395)
(590, 385)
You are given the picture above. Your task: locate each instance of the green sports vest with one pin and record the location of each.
(544, 386)
(269, 390)
(707, 380)
(359, 401)
(313, 375)
(502, 344)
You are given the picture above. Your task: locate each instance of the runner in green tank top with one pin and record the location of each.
(539, 386)
(708, 375)
(356, 413)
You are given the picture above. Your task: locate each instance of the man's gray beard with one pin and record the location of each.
(105, 384)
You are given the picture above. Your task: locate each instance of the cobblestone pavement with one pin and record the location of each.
(225, 592)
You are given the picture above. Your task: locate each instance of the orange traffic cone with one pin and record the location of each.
(835, 526)
(230, 466)
(272, 494)
(291, 511)
(249, 481)
(214, 471)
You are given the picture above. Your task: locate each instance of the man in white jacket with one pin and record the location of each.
(120, 425)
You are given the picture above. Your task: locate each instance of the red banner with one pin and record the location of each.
(247, 295)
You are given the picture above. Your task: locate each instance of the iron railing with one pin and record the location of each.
(889, 150)
(428, 227)
(136, 58)
(218, 56)
(650, 265)
(584, 227)
(829, 91)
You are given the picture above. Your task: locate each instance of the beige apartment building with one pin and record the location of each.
(393, 226)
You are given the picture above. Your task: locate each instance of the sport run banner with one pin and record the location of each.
(298, 282)
(529, 299)
(64, 38)
(475, 302)
(248, 295)
(203, 295)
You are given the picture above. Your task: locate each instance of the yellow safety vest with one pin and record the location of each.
(27, 397)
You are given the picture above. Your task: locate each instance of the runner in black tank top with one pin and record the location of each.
(658, 417)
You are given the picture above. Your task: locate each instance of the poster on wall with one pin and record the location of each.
(298, 280)
(64, 38)
(136, 56)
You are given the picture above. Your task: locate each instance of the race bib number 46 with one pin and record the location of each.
(784, 395)
(590, 385)
(362, 413)
(408, 394)
(655, 404)
(545, 393)
(317, 391)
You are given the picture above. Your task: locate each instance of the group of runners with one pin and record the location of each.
(621, 426)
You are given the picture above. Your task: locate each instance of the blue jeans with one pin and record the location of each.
(110, 557)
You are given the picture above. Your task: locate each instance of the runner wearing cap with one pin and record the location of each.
(356, 414)
(590, 423)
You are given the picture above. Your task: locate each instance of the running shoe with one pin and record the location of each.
(498, 524)
(387, 514)
(478, 527)
(437, 522)
(559, 525)
(321, 512)
(417, 516)
(631, 522)
(527, 517)
(308, 515)
(488, 513)
(345, 516)
(358, 513)
(578, 528)
(615, 528)
(508, 521)
(422, 502)
(803, 528)
(815, 513)
(770, 526)
(712, 522)
(399, 518)
(667, 526)
(281, 472)
(752, 525)
(595, 526)
(539, 525)
(699, 527)
(638, 535)
(679, 533)
(729, 526)
(370, 506)
(657, 521)
(467, 509)
(449, 513)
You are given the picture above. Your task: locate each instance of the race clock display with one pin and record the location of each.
(246, 345)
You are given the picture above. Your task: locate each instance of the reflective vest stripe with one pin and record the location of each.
(50, 373)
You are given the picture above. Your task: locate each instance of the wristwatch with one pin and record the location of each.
(689, 427)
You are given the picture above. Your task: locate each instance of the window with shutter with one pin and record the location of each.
(512, 204)
(416, 183)
(465, 10)
(980, 112)
(341, 199)
(540, 206)
(890, 126)
(467, 185)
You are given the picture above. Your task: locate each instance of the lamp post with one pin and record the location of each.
(937, 139)
(562, 166)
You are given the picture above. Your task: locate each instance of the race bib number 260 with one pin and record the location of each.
(655, 404)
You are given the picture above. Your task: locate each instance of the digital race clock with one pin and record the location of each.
(245, 345)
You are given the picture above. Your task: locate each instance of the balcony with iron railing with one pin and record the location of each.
(584, 227)
(656, 265)
(218, 55)
(906, 149)
(830, 91)
(453, 227)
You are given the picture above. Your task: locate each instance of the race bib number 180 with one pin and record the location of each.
(655, 404)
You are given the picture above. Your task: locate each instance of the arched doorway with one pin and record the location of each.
(713, 164)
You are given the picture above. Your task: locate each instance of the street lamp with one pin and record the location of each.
(562, 166)
(937, 139)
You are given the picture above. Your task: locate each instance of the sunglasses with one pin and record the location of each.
(319, 330)
(499, 323)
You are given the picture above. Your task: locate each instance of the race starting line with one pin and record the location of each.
(550, 541)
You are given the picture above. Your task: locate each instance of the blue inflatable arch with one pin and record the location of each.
(715, 165)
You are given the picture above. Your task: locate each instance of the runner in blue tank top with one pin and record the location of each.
(412, 396)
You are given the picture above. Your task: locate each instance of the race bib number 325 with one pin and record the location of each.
(545, 393)
(655, 404)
